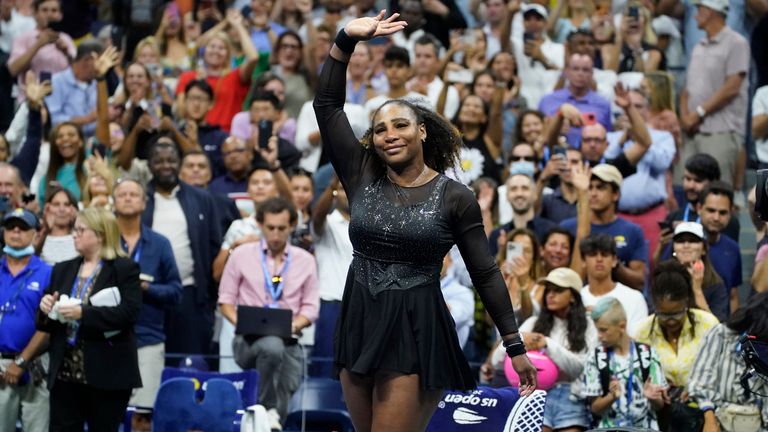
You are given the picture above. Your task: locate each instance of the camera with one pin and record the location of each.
(754, 352)
(761, 194)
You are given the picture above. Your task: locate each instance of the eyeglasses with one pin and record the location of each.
(671, 315)
(523, 158)
(80, 230)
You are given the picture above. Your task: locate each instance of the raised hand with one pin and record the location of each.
(234, 18)
(366, 28)
(35, 90)
(580, 176)
(106, 61)
(621, 96)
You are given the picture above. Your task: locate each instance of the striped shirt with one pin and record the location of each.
(716, 373)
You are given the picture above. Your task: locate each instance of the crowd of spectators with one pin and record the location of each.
(170, 149)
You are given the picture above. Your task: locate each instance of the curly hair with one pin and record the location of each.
(576, 320)
(671, 281)
(443, 142)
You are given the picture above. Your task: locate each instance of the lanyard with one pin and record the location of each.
(274, 284)
(136, 255)
(687, 211)
(75, 326)
(10, 304)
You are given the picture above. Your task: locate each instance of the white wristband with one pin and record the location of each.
(700, 111)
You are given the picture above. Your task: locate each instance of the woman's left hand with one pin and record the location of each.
(527, 373)
(370, 27)
(71, 312)
(534, 341)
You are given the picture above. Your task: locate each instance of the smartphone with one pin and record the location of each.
(665, 225)
(468, 38)
(528, 37)
(100, 149)
(45, 76)
(146, 277)
(514, 250)
(463, 76)
(634, 12)
(265, 132)
(27, 197)
(588, 119)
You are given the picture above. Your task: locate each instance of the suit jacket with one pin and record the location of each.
(112, 363)
(204, 235)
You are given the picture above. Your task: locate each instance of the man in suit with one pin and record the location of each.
(187, 217)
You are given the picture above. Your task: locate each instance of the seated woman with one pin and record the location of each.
(565, 333)
(718, 367)
(676, 331)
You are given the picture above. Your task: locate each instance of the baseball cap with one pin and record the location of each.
(689, 228)
(608, 173)
(716, 5)
(565, 278)
(535, 7)
(23, 215)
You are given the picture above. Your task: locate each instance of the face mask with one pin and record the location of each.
(19, 253)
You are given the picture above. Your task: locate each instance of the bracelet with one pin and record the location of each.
(345, 42)
(514, 347)
(276, 166)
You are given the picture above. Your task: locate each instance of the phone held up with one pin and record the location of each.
(265, 133)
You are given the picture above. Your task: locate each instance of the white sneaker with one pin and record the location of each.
(739, 200)
(274, 420)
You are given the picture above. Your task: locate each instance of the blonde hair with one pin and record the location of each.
(149, 41)
(99, 170)
(661, 86)
(104, 224)
(566, 12)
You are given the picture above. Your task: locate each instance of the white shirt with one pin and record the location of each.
(374, 103)
(306, 123)
(632, 301)
(17, 25)
(451, 101)
(409, 43)
(239, 229)
(535, 79)
(461, 302)
(760, 106)
(333, 251)
(169, 220)
(59, 248)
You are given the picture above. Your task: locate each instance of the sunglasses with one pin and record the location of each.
(523, 158)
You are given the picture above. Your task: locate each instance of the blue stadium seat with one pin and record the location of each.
(320, 403)
(177, 407)
(246, 382)
(489, 409)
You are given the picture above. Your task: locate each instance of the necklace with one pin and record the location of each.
(412, 183)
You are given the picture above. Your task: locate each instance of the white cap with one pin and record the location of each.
(535, 7)
(716, 5)
(664, 25)
(689, 228)
(565, 278)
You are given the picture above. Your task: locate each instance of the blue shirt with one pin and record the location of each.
(630, 242)
(261, 40)
(154, 255)
(538, 225)
(647, 186)
(66, 176)
(71, 98)
(555, 208)
(725, 257)
(21, 295)
(590, 103)
(225, 185)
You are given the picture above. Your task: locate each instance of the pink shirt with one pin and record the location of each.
(48, 58)
(242, 282)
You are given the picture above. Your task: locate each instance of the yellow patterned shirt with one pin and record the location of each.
(677, 366)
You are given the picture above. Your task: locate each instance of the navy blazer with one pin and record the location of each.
(102, 357)
(204, 234)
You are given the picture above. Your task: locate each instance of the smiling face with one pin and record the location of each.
(503, 66)
(520, 193)
(289, 52)
(556, 252)
(136, 80)
(68, 142)
(688, 248)
(216, 53)
(397, 135)
(148, 55)
(164, 164)
(62, 209)
(98, 186)
(472, 111)
(531, 128)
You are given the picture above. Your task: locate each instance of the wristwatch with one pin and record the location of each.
(700, 111)
(20, 362)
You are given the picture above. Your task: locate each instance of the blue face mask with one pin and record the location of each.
(19, 253)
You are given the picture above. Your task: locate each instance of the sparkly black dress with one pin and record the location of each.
(393, 316)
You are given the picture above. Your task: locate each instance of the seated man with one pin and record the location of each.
(290, 274)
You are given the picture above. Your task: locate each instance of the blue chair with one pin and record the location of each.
(246, 382)
(319, 403)
(489, 409)
(177, 407)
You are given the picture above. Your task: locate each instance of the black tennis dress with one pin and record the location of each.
(393, 315)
